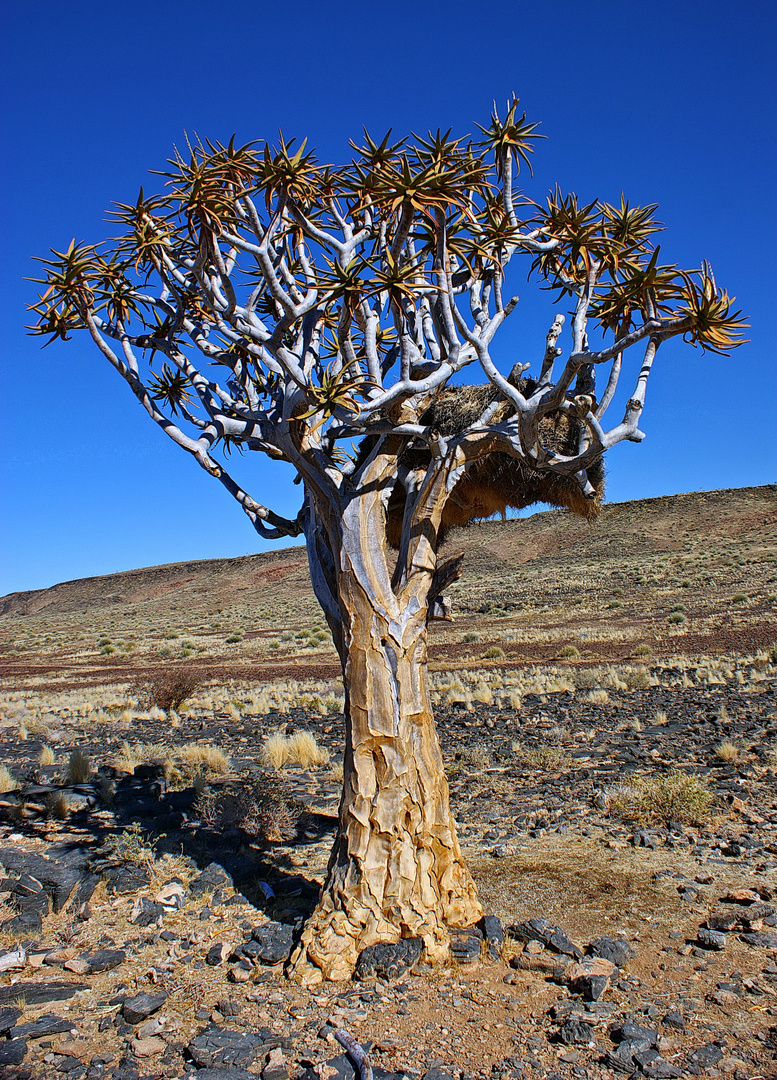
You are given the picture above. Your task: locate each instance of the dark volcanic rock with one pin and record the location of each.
(711, 939)
(465, 947)
(761, 939)
(220, 1046)
(101, 960)
(39, 993)
(275, 941)
(126, 879)
(390, 961)
(56, 879)
(141, 1006)
(492, 928)
(147, 912)
(344, 1069)
(13, 1052)
(553, 937)
(706, 1056)
(229, 1072)
(8, 1018)
(212, 877)
(616, 950)
(576, 1032)
(43, 1026)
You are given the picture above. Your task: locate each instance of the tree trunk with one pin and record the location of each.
(396, 869)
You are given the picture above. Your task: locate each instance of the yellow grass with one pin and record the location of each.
(79, 768)
(727, 751)
(300, 748)
(46, 756)
(204, 757)
(8, 781)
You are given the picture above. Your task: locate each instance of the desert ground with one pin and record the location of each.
(606, 699)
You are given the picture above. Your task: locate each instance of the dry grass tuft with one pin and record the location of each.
(79, 768)
(300, 748)
(46, 756)
(204, 758)
(597, 697)
(727, 751)
(8, 781)
(659, 800)
(58, 805)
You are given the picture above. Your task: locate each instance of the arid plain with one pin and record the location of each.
(589, 668)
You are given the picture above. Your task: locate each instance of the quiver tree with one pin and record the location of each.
(319, 315)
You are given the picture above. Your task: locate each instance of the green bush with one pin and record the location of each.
(659, 800)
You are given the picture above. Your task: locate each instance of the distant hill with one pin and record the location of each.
(640, 529)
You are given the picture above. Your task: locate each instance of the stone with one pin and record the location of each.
(637, 1036)
(93, 963)
(172, 895)
(141, 1006)
(213, 877)
(711, 939)
(126, 879)
(69, 1064)
(675, 1021)
(589, 976)
(217, 953)
(147, 912)
(576, 1032)
(493, 931)
(229, 1007)
(275, 1069)
(8, 1017)
(275, 941)
(229, 1072)
(39, 993)
(706, 1056)
(342, 1068)
(465, 948)
(761, 939)
(389, 960)
(43, 1026)
(652, 1064)
(148, 1047)
(616, 950)
(553, 937)
(56, 879)
(220, 1046)
(13, 1052)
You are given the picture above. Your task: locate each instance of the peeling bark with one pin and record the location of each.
(396, 868)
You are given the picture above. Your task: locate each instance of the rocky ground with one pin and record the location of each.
(153, 940)
(154, 873)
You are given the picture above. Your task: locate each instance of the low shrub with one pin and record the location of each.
(661, 799)
(494, 653)
(169, 688)
(263, 808)
(568, 652)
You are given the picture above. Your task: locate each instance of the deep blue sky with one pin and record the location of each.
(671, 102)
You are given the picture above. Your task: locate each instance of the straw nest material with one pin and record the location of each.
(496, 481)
